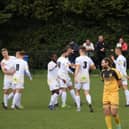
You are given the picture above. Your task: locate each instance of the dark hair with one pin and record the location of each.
(66, 49)
(4, 49)
(82, 48)
(110, 62)
(22, 53)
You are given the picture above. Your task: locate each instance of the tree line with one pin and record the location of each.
(41, 26)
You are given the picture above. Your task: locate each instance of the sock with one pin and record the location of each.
(88, 99)
(64, 97)
(108, 122)
(50, 103)
(18, 103)
(72, 92)
(127, 96)
(117, 120)
(10, 96)
(15, 99)
(78, 101)
(5, 99)
(54, 99)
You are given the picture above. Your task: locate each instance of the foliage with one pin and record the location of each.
(45, 25)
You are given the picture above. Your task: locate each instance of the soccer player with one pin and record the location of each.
(21, 68)
(63, 75)
(82, 79)
(8, 70)
(112, 82)
(121, 65)
(53, 81)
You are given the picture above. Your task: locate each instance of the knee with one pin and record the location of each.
(107, 112)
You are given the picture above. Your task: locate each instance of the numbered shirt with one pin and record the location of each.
(121, 65)
(52, 71)
(84, 62)
(63, 67)
(21, 68)
(8, 65)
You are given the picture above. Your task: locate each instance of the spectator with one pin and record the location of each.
(100, 50)
(89, 48)
(75, 53)
(123, 45)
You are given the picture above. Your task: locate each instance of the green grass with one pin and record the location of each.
(37, 116)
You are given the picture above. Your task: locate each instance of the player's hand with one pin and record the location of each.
(113, 58)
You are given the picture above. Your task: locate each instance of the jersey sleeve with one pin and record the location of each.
(117, 74)
(77, 62)
(51, 66)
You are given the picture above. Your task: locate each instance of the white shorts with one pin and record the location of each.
(65, 84)
(8, 84)
(84, 86)
(54, 85)
(18, 82)
(124, 81)
(18, 85)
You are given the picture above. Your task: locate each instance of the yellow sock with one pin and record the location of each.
(108, 121)
(117, 119)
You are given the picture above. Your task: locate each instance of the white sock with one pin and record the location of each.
(55, 96)
(50, 103)
(15, 100)
(127, 96)
(53, 99)
(64, 97)
(18, 103)
(88, 99)
(78, 101)
(10, 96)
(72, 92)
(5, 99)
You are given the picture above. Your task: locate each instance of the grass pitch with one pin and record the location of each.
(37, 116)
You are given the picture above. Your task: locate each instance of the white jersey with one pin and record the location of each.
(21, 68)
(8, 65)
(63, 67)
(52, 72)
(84, 62)
(121, 65)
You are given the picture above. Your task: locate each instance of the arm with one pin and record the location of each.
(76, 72)
(5, 71)
(27, 71)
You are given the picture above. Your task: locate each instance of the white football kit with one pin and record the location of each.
(9, 66)
(121, 66)
(63, 72)
(83, 79)
(21, 68)
(52, 76)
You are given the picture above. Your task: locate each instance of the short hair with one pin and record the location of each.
(110, 62)
(22, 53)
(82, 48)
(66, 49)
(4, 49)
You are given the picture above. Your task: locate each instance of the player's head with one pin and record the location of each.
(54, 57)
(106, 63)
(101, 38)
(20, 54)
(67, 51)
(118, 51)
(82, 50)
(4, 52)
